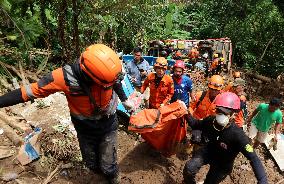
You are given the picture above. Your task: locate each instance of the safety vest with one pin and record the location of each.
(204, 108)
(80, 105)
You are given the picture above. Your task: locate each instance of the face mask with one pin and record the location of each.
(222, 119)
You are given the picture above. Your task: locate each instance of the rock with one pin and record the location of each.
(10, 176)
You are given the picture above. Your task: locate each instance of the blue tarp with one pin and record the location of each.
(127, 86)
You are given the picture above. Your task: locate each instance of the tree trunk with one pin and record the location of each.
(61, 29)
(76, 41)
(260, 77)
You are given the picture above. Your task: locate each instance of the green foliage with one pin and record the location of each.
(66, 27)
(252, 26)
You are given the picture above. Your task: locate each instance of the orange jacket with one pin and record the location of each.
(161, 94)
(229, 88)
(193, 53)
(205, 107)
(214, 64)
(239, 117)
(63, 79)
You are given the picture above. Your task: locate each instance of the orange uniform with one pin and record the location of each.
(240, 116)
(193, 53)
(229, 88)
(160, 94)
(215, 63)
(63, 79)
(205, 107)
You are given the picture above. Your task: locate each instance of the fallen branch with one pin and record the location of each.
(25, 82)
(5, 83)
(12, 68)
(43, 65)
(9, 132)
(22, 127)
(31, 76)
(52, 174)
(259, 61)
(260, 77)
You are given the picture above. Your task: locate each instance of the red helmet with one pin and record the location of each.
(101, 64)
(179, 64)
(228, 100)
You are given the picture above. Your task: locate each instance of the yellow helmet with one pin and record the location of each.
(216, 82)
(215, 55)
(222, 59)
(161, 62)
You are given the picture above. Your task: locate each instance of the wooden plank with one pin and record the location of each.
(278, 154)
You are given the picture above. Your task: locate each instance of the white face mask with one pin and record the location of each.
(222, 119)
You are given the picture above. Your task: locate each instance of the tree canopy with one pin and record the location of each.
(66, 27)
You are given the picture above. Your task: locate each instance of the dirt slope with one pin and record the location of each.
(138, 163)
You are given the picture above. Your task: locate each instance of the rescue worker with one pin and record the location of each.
(220, 66)
(224, 142)
(214, 64)
(137, 69)
(177, 55)
(238, 89)
(193, 56)
(91, 86)
(203, 106)
(164, 54)
(229, 87)
(262, 119)
(182, 84)
(161, 85)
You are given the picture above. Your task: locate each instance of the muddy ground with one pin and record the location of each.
(138, 163)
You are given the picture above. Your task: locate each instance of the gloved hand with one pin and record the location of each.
(196, 136)
(128, 105)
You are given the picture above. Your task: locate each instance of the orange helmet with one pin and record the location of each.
(101, 64)
(178, 53)
(216, 82)
(237, 74)
(161, 62)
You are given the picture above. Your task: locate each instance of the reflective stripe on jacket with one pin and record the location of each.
(63, 79)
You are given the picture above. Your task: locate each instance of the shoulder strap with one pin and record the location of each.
(200, 99)
(83, 82)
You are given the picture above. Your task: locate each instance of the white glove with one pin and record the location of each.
(128, 105)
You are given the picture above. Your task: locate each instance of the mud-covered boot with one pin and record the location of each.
(116, 179)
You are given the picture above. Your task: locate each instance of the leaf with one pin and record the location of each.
(5, 5)
(11, 37)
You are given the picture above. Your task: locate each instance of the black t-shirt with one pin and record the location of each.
(225, 145)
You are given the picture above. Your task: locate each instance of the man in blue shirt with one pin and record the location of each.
(138, 69)
(182, 84)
